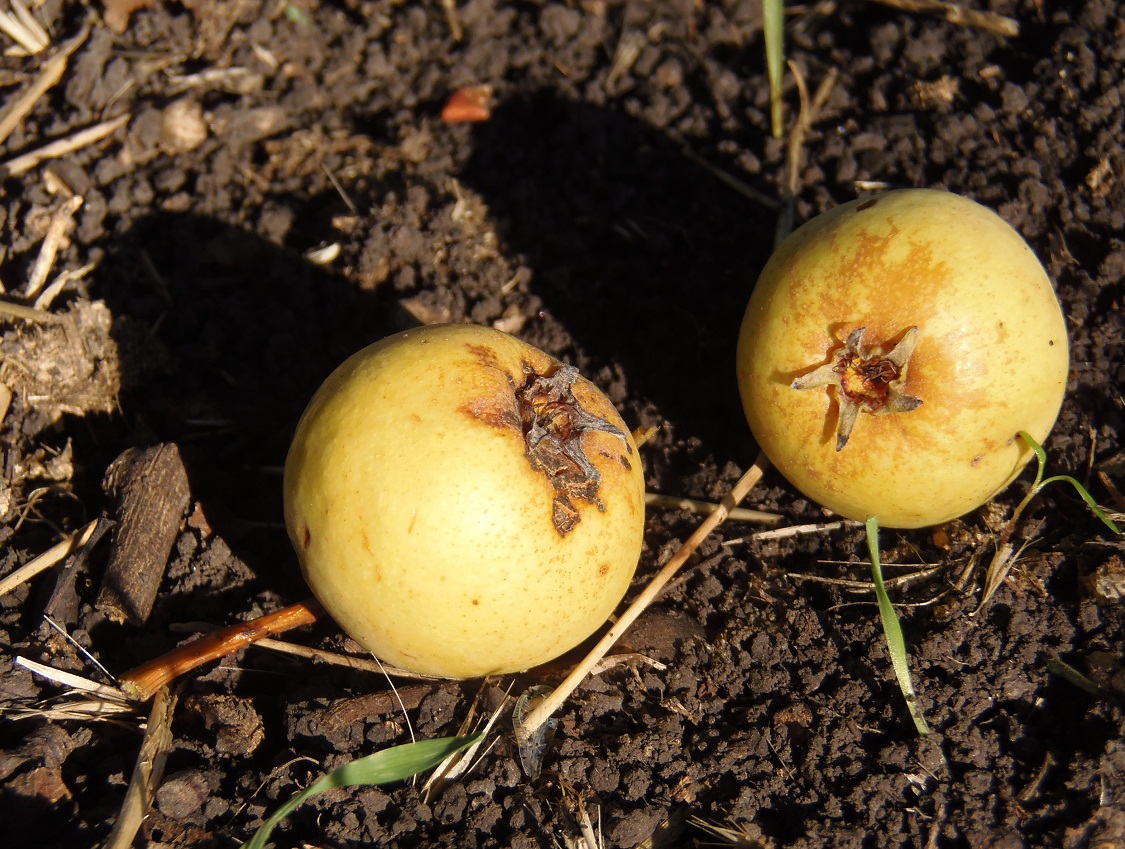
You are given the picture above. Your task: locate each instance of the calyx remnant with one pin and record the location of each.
(866, 378)
(553, 422)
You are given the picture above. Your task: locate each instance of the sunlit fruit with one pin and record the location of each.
(463, 504)
(891, 351)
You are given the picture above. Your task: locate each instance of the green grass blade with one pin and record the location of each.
(1089, 499)
(1081, 490)
(896, 642)
(1040, 455)
(773, 28)
(385, 767)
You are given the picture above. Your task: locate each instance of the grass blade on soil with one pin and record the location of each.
(383, 767)
(896, 642)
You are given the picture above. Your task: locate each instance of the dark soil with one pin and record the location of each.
(588, 216)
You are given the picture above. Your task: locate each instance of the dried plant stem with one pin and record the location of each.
(739, 514)
(147, 771)
(53, 70)
(141, 683)
(48, 558)
(810, 109)
(360, 664)
(549, 705)
(955, 13)
(61, 220)
(19, 164)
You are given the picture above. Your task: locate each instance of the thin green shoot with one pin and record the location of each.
(1041, 456)
(773, 28)
(892, 629)
(1006, 553)
(383, 767)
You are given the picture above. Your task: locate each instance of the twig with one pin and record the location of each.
(360, 664)
(452, 20)
(866, 586)
(810, 109)
(69, 679)
(730, 180)
(955, 13)
(738, 514)
(53, 70)
(48, 558)
(147, 772)
(21, 27)
(1114, 492)
(795, 530)
(141, 683)
(25, 162)
(64, 279)
(61, 219)
(549, 705)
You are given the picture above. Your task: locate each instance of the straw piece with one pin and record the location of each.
(25, 162)
(55, 554)
(141, 683)
(553, 702)
(147, 772)
(53, 70)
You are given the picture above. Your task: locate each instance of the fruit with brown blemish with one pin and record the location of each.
(464, 503)
(891, 351)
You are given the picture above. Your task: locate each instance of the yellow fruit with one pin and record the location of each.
(462, 504)
(892, 349)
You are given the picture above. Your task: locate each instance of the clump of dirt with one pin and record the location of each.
(284, 191)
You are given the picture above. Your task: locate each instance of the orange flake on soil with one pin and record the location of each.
(471, 104)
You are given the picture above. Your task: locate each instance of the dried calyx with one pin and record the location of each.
(553, 422)
(866, 378)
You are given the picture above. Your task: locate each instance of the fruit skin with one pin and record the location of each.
(422, 523)
(991, 357)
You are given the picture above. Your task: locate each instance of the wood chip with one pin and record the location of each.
(151, 488)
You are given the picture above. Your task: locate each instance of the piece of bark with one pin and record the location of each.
(63, 604)
(150, 487)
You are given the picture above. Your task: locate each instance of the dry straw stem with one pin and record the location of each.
(20, 25)
(19, 164)
(810, 110)
(549, 705)
(61, 220)
(359, 664)
(55, 554)
(53, 70)
(142, 683)
(955, 13)
(147, 772)
(738, 514)
(794, 531)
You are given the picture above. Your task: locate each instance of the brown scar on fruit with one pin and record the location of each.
(544, 409)
(866, 378)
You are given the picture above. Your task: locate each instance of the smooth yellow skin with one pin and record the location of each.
(991, 359)
(421, 526)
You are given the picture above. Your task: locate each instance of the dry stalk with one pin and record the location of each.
(142, 683)
(147, 772)
(453, 20)
(703, 508)
(955, 13)
(807, 116)
(21, 26)
(55, 554)
(61, 220)
(549, 705)
(795, 531)
(53, 70)
(359, 664)
(25, 162)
